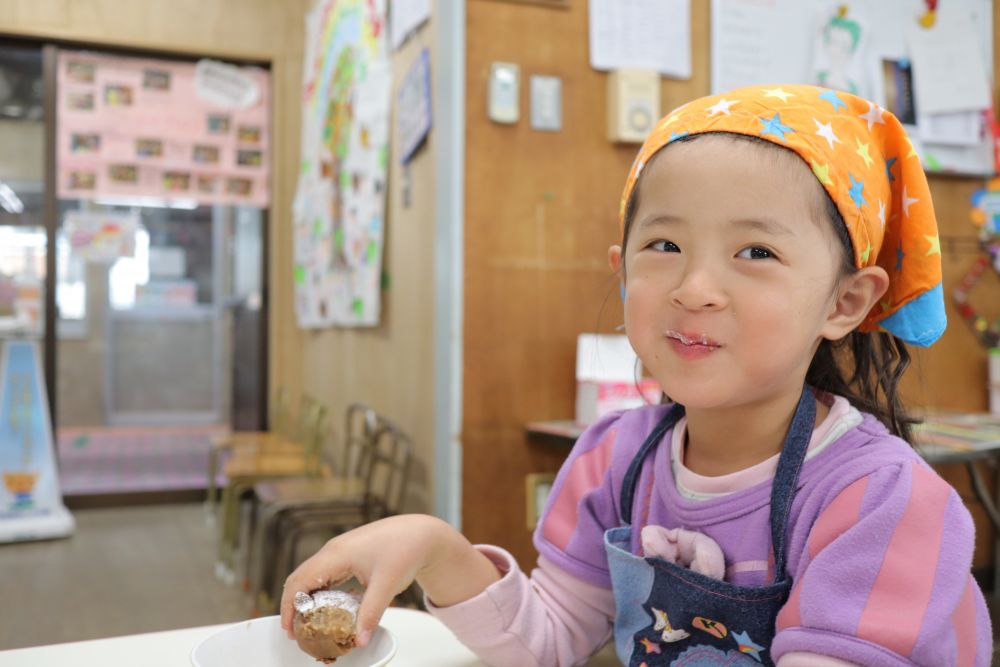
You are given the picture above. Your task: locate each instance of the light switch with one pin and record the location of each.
(504, 98)
(546, 103)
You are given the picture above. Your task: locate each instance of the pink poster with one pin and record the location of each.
(162, 130)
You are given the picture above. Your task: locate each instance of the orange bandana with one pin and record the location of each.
(861, 155)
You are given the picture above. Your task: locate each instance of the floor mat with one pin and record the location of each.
(129, 459)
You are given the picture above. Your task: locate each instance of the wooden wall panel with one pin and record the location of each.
(540, 214)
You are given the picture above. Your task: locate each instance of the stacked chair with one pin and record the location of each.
(371, 485)
(256, 457)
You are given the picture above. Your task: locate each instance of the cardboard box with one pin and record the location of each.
(609, 377)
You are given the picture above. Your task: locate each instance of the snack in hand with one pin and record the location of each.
(324, 624)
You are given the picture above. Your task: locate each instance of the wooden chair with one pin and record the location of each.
(281, 430)
(334, 509)
(244, 470)
(270, 498)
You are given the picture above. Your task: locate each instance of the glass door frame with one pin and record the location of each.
(50, 51)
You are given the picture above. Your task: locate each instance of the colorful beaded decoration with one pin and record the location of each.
(988, 333)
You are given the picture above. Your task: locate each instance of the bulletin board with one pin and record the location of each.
(780, 41)
(161, 129)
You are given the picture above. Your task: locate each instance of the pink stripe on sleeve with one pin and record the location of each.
(898, 600)
(839, 516)
(964, 620)
(586, 472)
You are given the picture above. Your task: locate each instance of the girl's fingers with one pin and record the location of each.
(314, 574)
(378, 595)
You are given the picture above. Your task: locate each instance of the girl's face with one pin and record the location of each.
(730, 272)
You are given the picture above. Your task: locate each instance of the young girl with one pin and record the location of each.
(778, 247)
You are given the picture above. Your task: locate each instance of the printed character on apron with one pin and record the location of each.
(670, 615)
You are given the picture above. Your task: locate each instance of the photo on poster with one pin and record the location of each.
(239, 186)
(82, 180)
(80, 72)
(146, 148)
(218, 123)
(897, 80)
(203, 154)
(176, 181)
(118, 95)
(248, 134)
(208, 185)
(156, 79)
(85, 142)
(80, 101)
(123, 173)
(249, 158)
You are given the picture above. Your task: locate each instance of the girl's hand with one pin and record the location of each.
(386, 556)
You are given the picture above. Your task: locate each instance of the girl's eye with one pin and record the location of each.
(664, 246)
(755, 252)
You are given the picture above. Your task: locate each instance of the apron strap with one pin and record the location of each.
(635, 467)
(786, 478)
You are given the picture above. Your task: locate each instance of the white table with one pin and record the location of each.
(422, 641)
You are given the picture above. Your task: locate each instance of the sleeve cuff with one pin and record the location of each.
(490, 612)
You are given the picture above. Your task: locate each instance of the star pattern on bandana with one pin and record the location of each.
(779, 93)
(874, 115)
(888, 168)
(831, 97)
(908, 202)
(856, 191)
(863, 152)
(722, 106)
(775, 126)
(881, 213)
(651, 647)
(935, 244)
(822, 172)
(825, 130)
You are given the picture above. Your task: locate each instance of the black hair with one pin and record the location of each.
(864, 368)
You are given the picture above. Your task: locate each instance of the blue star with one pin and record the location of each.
(899, 257)
(856, 191)
(888, 168)
(747, 645)
(831, 97)
(774, 126)
(674, 136)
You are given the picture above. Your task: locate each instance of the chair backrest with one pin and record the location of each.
(305, 420)
(318, 432)
(388, 471)
(359, 429)
(279, 419)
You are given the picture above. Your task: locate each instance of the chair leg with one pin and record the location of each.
(212, 493)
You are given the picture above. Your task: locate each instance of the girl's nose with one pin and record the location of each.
(699, 289)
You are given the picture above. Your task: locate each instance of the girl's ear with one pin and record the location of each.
(857, 294)
(615, 257)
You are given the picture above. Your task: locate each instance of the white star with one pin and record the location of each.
(722, 106)
(826, 131)
(881, 212)
(907, 201)
(779, 93)
(874, 115)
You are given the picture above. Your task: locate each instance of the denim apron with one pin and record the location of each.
(670, 615)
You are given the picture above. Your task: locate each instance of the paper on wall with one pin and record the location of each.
(641, 34)
(601, 357)
(405, 16)
(948, 66)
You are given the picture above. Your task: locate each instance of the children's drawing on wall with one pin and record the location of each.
(840, 50)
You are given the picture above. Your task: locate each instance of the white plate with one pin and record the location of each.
(262, 643)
